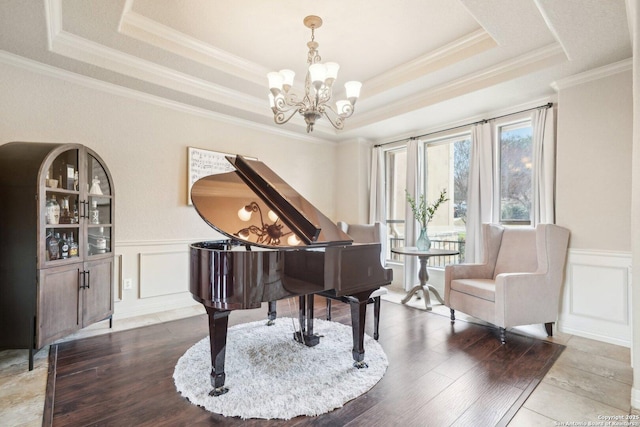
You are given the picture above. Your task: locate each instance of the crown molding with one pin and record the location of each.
(504, 71)
(53, 18)
(463, 48)
(17, 61)
(89, 52)
(595, 74)
(155, 34)
(81, 49)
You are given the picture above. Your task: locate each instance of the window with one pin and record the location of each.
(446, 164)
(448, 168)
(516, 157)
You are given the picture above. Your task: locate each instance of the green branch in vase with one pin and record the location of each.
(422, 212)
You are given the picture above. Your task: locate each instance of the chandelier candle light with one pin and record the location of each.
(317, 89)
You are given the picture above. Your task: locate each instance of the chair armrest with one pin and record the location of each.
(525, 298)
(466, 271)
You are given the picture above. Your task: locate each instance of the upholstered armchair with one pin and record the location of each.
(519, 281)
(367, 233)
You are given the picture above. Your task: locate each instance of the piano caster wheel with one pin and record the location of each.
(218, 391)
(361, 364)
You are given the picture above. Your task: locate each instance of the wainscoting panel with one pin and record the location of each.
(596, 299)
(164, 273)
(158, 271)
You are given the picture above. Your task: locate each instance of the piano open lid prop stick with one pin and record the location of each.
(279, 246)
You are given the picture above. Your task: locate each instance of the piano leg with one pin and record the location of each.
(305, 316)
(271, 314)
(218, 322)
(358, 303)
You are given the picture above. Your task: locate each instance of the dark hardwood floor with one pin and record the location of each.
(439, 374)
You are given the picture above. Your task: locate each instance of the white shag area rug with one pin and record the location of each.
(271, 376)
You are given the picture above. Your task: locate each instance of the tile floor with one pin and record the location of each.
(591, 379)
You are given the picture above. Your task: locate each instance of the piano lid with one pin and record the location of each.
(254, 205)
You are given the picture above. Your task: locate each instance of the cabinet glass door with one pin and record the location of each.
(100, 209)
(61, 208)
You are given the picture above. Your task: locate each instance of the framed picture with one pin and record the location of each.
(202, 163)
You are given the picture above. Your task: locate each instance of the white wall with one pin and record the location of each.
(594, 151)
(594, 162)
(633, 11)
(353, 163)
(145, 147)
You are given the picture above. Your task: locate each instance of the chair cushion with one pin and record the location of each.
(518, 252)
(479, 288)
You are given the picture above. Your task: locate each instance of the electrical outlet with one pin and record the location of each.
(127, 284)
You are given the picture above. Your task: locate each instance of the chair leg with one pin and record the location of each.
(328, 309)
(548, 327)
(453, 315)
(376, 317)
(503, 335)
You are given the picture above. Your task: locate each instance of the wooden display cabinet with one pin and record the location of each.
(48, 289)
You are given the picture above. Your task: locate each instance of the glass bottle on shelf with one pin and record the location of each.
(52, 210)
(94, 213)
(64, 247)
(52, 248)
(101, 242)
(65, 214)
(76, 216)
(73, 247)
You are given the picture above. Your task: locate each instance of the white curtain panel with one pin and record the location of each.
(414, 187)
(377, 203)
(483, 197)
(544, 166)
(377, 195)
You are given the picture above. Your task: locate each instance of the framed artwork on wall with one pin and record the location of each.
(202, 163)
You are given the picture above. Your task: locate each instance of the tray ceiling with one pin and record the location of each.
(425, 64)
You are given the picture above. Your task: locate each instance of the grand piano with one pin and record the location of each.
(278, 246)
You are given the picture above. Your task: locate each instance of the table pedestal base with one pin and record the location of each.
(423, 273)
(425, 292)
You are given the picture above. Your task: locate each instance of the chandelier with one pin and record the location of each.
(317, 89)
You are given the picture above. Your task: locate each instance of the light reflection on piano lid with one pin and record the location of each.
(219, 198)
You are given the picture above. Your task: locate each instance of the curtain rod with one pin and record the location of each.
(548, 105)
